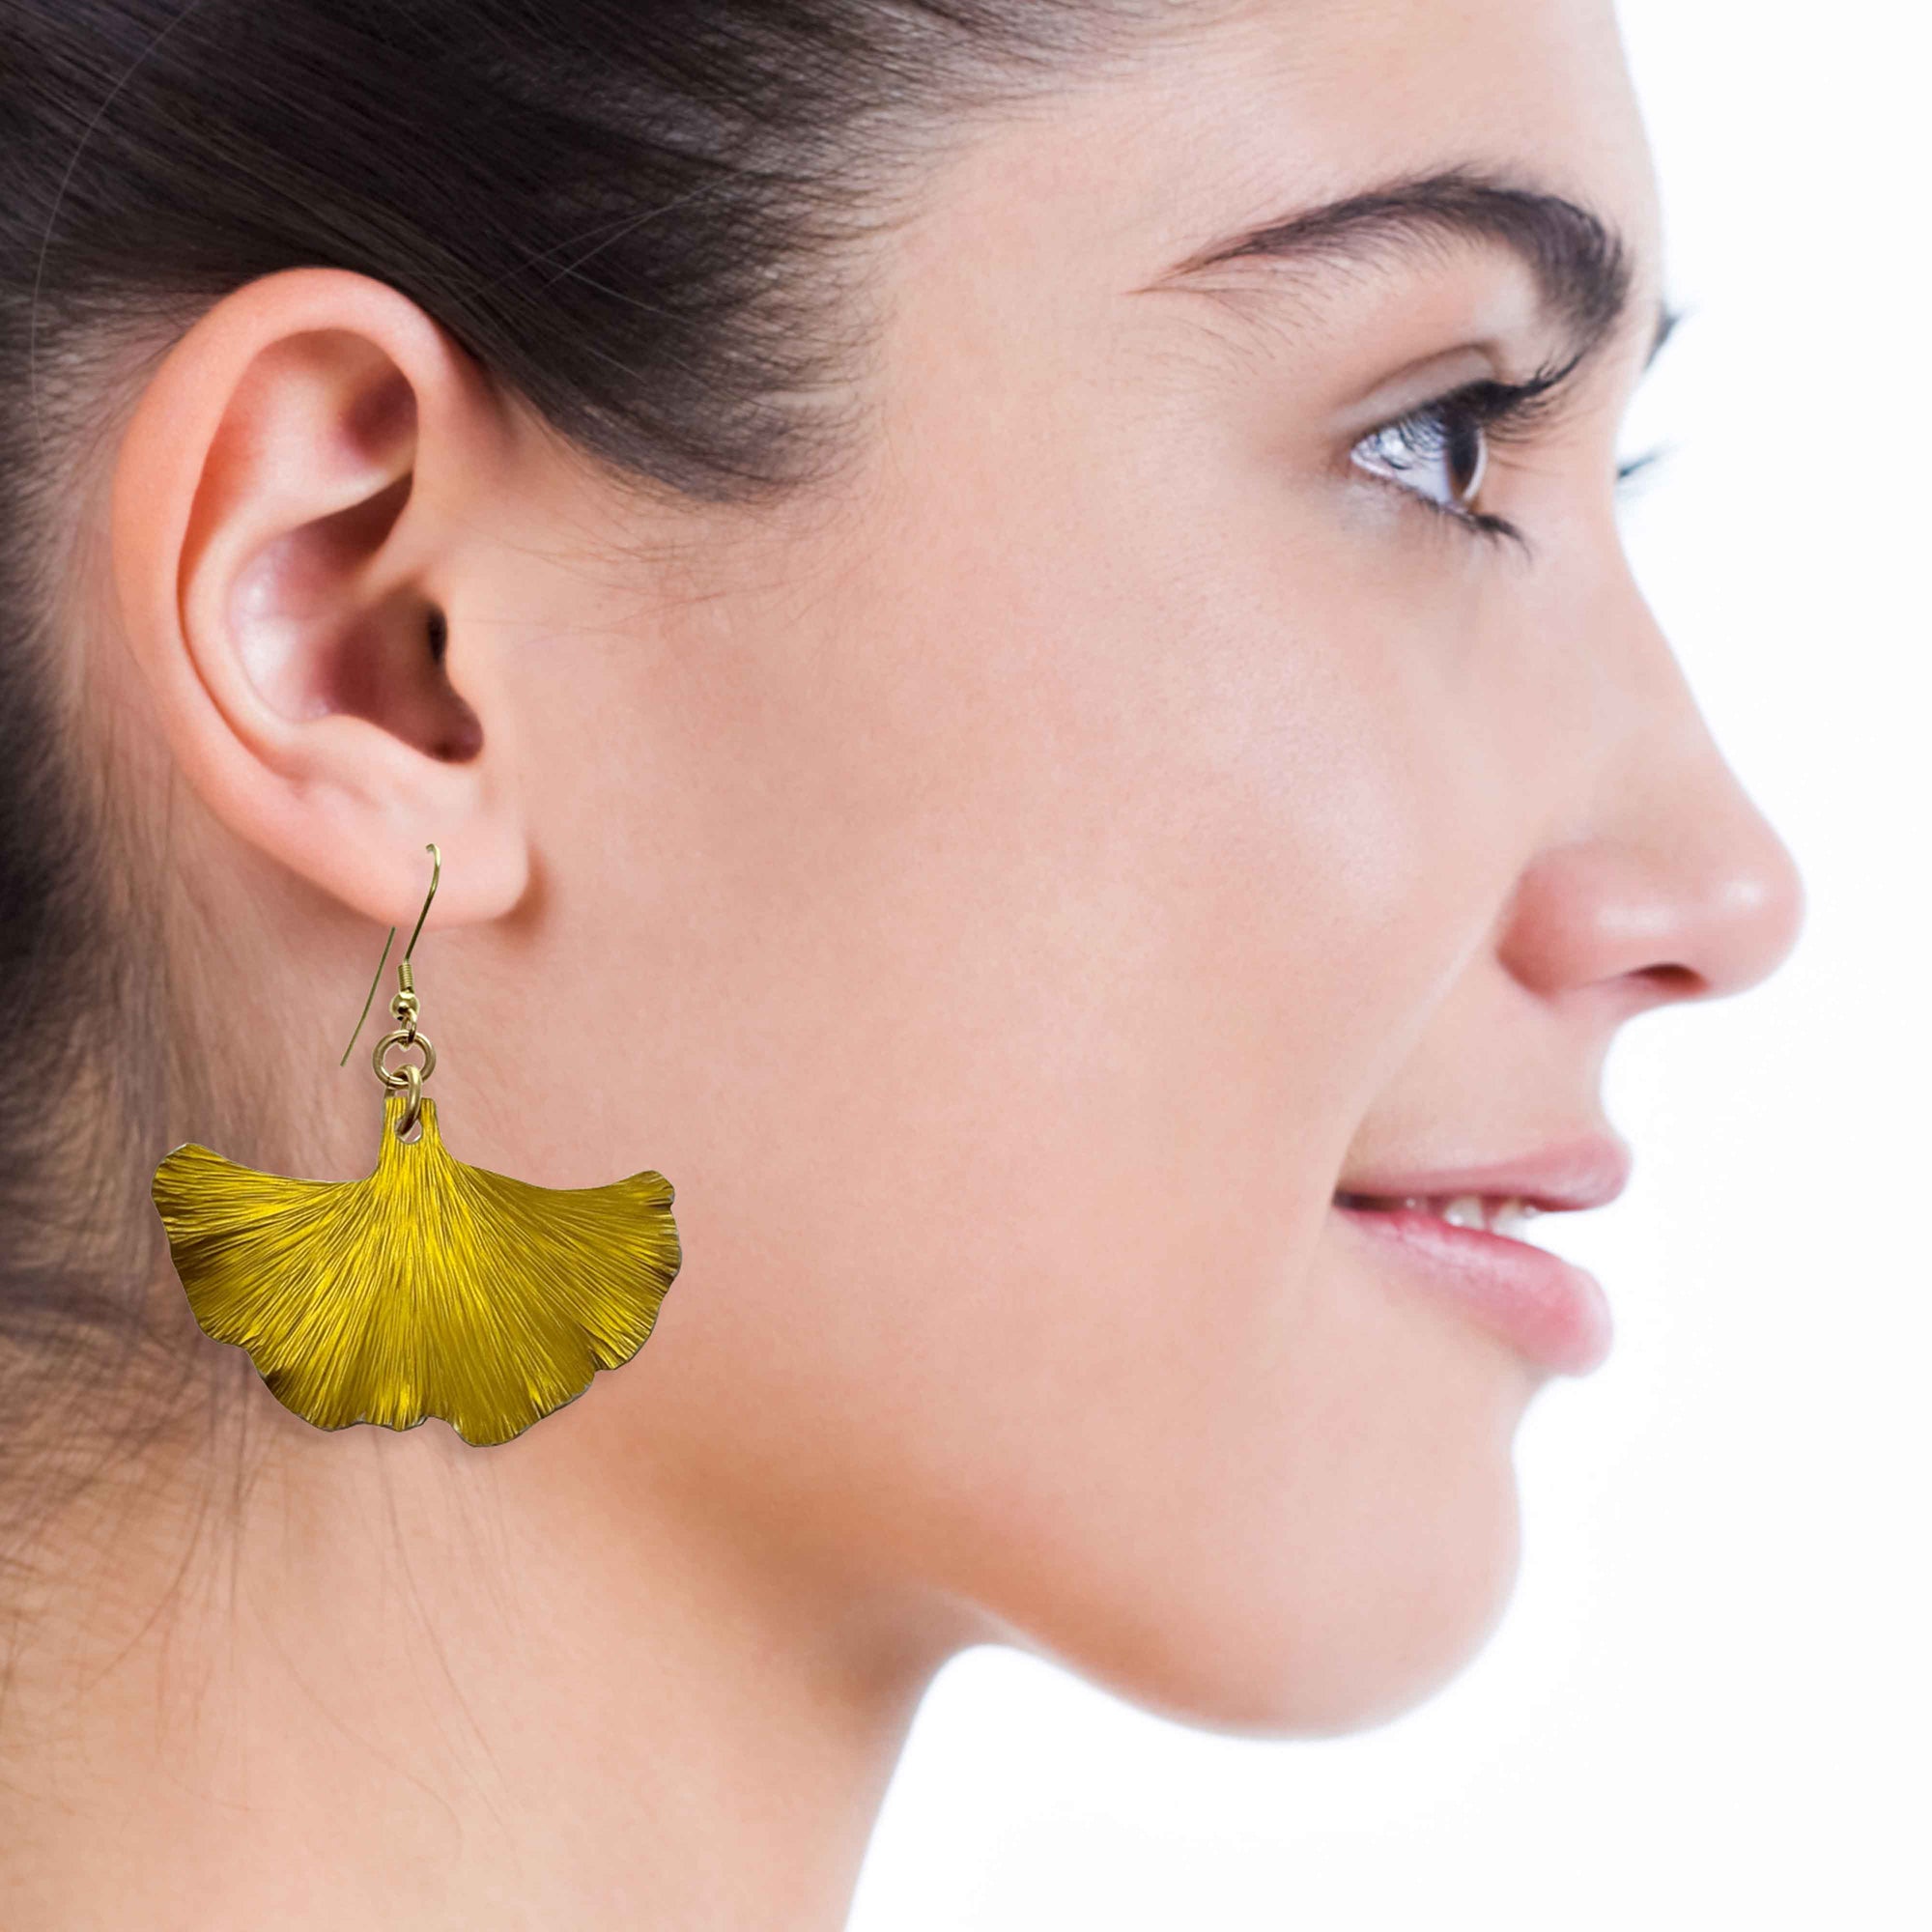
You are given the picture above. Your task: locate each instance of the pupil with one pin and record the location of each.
(1466, 458)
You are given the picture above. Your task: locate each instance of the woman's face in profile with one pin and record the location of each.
(1144, 803)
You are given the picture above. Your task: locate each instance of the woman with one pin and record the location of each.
(1009, 619)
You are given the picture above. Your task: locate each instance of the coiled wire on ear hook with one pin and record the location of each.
(403, 1006)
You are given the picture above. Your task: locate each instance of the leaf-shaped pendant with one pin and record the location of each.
(428, 1287)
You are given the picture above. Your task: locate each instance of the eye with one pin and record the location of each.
(1444, 445)
(1441, 445)
(1438, 453)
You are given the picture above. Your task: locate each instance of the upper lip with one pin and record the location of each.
(1575, 1174)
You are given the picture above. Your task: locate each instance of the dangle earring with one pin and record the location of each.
(427, 1288)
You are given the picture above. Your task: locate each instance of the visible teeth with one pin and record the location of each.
(1509, 1217)
(1498, 1216)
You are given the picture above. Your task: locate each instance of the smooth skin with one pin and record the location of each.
(1006, 895)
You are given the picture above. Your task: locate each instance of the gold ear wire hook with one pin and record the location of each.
(402, 965)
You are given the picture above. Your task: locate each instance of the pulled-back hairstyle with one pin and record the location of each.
(647, 218)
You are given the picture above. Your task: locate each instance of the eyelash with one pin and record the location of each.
(1505, 411)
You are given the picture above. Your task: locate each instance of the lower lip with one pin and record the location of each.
(1549, 1310)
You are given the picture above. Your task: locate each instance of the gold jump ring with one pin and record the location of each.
(413, 1111)
(396, 1076)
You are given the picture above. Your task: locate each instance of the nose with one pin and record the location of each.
(1672, 886)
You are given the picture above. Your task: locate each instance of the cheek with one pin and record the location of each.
(1052, 950)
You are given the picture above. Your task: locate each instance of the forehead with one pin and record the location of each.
(1387, 83)
(1240, 113)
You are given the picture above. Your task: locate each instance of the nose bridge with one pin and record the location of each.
(1665, 866)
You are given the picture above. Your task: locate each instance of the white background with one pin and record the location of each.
(1708, 1703)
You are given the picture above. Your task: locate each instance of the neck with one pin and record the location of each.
(390, 1678)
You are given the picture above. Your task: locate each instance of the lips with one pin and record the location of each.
(1553, 1313)
(1587, 1172)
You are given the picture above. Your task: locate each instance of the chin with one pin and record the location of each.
(1429, 1619)
(1313, 1637)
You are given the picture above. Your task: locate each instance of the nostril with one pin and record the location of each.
(1680, 983)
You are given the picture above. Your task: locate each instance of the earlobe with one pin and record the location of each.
(289, 535)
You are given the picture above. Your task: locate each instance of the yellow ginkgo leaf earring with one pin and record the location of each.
(427, 1288)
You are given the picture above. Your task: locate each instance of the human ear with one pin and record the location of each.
(292, 544)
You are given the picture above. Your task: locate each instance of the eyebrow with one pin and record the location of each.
(1584, 268)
